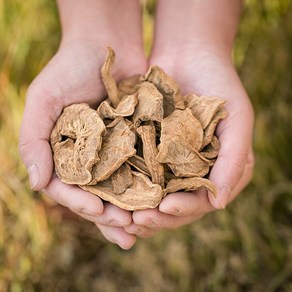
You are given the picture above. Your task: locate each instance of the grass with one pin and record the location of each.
(247, 247)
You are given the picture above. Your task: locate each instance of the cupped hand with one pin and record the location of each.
(72, 76)
(206, 73)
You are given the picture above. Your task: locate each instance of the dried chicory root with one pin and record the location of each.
(144, 141)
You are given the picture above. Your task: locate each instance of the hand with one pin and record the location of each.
(206, 73)
(72, 76)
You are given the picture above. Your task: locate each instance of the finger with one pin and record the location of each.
(235, 135)
(111, 216)
(139, 231)
(156, 220)
(246, 176)
(74, 198)
(118, 236)
(41, 110)
(186, 203)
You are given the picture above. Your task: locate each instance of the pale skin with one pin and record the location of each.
(193, 43)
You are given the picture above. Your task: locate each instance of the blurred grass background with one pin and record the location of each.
(247, 247)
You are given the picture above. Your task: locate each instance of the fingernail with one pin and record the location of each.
(152, 224)
(34, 176)
(170, 211)
(223, 195)
(88, 212)
(139, 231)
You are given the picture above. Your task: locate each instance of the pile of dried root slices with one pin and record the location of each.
(144, 141)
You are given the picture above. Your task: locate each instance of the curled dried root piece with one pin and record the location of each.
(204, 108)
(129, 86)
(211, 150)
(117, 146)
(150, 104)
(147, 134)
(168, 87)
(112, 151)
(139, 164)
(107, 78)
(210, 130)
(189, 184)
(142, 194)
(76, 140)
(181, 138)
(125, 108)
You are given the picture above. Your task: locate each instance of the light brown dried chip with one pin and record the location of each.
(148, 136)
(168, 176)
(121, 179)
(168, 87)
(211, 150)
(191, 164)
(143, 194)
(125, 108)
(189, 184)
(139, 164)
(150, 104)
(182, 124)
(204, 108)
(129, 86)
(117, 146)
(139, 113)
(181, 138)
(107, 78)
(76, 141)
(210, 130)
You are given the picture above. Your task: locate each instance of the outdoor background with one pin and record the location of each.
(247, 247)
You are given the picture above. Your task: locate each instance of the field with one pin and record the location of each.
(247, 247)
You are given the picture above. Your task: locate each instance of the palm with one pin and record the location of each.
(72, 76)
(233, 168)
(216, 77)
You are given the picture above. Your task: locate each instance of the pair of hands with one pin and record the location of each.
(73, 76)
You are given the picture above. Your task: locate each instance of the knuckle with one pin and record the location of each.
(49, 98)
(250, 161)
(249, 168)
(31, 91)
(23, 150)
(199, 217)
(239, 160)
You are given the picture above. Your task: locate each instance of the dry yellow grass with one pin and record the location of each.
(247, 247)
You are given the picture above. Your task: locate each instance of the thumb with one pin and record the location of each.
(41, 110)
(234, 164)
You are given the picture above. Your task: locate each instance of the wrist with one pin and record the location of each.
(195, 29)
(198, 55)
(102, 23)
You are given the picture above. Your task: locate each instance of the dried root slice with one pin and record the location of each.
(139, 164)
(124, 109)
(147, 134)
(120, 180)
(210, 130)
(184, 126)
(107, 78)
(191, 164)
(150, 104)
(139, 111)
(129, 86)
(211, 150)
(181, 138)
(142, 194)
(204, 108)
(189, 184)
(117, 146)
(76, 140)
(168, 87)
